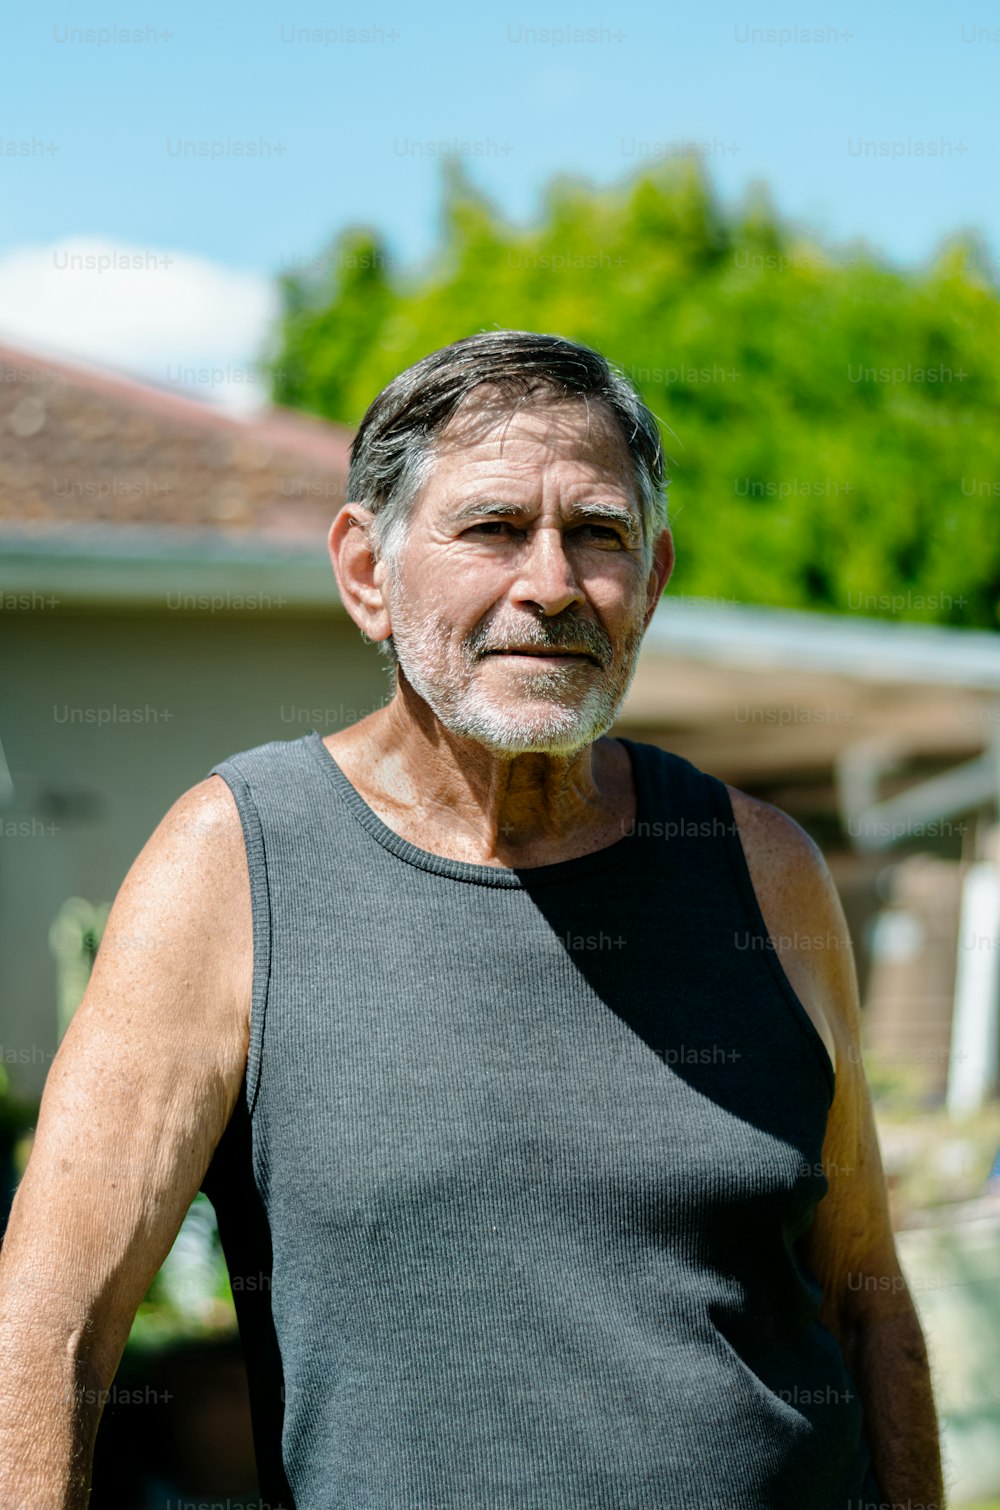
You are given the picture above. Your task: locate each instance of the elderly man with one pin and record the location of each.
(544, 1163)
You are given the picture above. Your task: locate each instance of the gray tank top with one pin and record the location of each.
(512, 1198)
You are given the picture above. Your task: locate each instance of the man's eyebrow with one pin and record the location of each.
(489, 508)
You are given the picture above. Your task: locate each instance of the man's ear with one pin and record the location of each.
(359, 576)
(659, 572)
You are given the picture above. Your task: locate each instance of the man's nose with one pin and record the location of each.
(546, 577)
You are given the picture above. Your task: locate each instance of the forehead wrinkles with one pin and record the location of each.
(556, 420)
(553, 433)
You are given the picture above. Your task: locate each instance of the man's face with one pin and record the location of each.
(523, 592)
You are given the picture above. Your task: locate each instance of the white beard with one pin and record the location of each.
(554, 710)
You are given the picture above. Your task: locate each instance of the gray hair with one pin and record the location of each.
(392, 454)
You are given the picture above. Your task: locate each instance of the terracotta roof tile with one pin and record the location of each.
(81, 446)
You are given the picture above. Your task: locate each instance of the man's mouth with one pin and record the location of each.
(540, 653)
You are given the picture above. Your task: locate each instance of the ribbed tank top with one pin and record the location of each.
(511, 1197)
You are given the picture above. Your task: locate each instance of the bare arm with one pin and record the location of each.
(850, 1246)
(136, 1100)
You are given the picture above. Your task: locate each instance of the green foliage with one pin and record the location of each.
(798, 477)
(190, 1296)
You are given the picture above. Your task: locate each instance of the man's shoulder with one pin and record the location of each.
(209, 813)
(786, 865)
(278, 787)
(775, 838)
(799, 901)
(204, 820)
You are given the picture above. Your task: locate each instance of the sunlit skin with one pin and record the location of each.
(526, 538)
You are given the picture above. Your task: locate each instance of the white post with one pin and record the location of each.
(972, 1067)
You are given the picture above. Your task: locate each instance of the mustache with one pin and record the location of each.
(569, 634)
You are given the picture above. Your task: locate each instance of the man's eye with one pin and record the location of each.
(494, 526)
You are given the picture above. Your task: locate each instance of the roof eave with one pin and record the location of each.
(196, 571)
(750, 637)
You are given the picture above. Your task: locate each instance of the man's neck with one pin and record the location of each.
(455, 797)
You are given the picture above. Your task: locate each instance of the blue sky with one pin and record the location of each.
(109, 142)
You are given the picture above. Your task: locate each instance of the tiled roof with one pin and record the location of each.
(80, 447)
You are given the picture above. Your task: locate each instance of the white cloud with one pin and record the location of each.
(178, 321)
